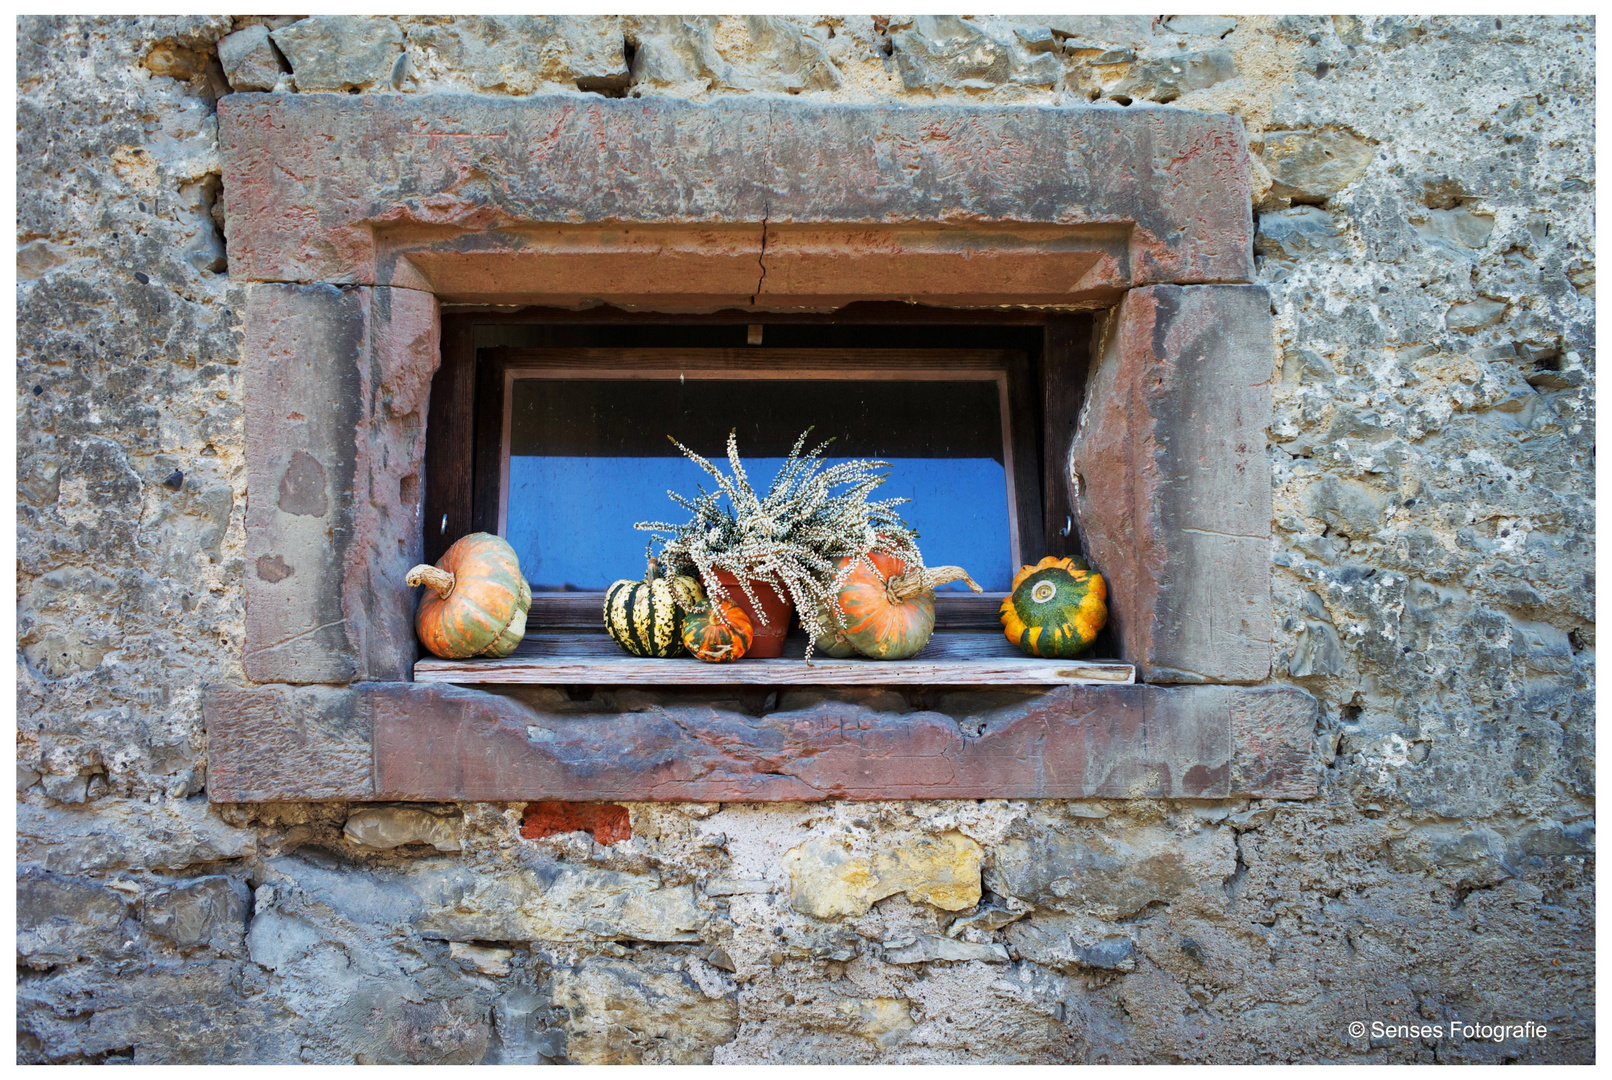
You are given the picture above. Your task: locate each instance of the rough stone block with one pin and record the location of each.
(394, 826)
(363, 190)
(946, 51)
(1302, 232)
(125, 836)
(207, 911)
(622, 1012)
(1310, 166)
(437, 742)
(343, 52)
(518, 54)
(1091, 872)
(831, 877)
(1170, 482)
(248, 59)
(63, 919)
(1168, 77)
(336, 383)
(560, 902)
(267, 742)
(1072, 943)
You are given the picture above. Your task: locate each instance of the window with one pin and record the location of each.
(1174, 503)
(568, 447)
(586, 447)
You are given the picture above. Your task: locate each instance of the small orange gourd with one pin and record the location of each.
(890, 609)
(475, 601)
(716, 639)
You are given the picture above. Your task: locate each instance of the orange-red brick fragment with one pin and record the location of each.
(607, 822)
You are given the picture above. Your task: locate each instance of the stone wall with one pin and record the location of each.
(1424, 199)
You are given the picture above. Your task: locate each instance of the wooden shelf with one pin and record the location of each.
(952, 658)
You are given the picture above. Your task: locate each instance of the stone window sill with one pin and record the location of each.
(433, 742)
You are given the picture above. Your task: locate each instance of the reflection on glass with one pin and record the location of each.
(589, 457)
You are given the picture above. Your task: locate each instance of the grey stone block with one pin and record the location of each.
(61, 919)
(336, 385)
(207, 911)
(1309, 166)
(343, 52)
(948, 51)
(249, 60)
(1299, 233)
(1167, 78)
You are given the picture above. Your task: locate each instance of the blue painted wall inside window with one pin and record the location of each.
(589, 458)
(571, 518)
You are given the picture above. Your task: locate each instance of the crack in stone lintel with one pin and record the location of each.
(766, 211)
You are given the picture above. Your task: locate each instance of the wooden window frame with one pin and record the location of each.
(1008, 369)
(469, 435)
(1052, 390)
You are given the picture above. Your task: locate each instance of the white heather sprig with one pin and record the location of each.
(813, 516)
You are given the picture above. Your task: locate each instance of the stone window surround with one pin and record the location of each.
(351, 219)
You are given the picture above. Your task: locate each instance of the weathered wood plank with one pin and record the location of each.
(950, 659)
(785, 363)
(447, 743)
(682, 671)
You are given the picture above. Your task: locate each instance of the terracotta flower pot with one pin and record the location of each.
(769, 635)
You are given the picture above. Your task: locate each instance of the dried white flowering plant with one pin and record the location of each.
(793, 538)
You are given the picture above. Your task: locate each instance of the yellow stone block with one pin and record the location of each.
(832, 876)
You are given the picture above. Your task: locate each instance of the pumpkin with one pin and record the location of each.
(717, 632)
(1056, 608)
(834, 643)
(475, 601)
(646, 617)
(890, 609)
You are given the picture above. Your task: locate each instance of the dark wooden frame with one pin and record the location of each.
(464, 443)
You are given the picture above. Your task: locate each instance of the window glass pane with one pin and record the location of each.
(589, 457)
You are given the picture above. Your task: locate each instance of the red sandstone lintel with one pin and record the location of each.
(383, 190)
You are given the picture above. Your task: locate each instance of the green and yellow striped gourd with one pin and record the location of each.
(645, 617)
(1056, 608)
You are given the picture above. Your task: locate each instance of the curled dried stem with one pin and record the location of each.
(906, 586)
(438, 580)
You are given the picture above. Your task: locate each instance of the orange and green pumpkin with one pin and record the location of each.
(834, 643)
(646, 617)
(717, 638)
(1056, 608)
(890, 609)
(475, 601)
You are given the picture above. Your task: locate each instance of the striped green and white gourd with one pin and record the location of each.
(646, 617)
